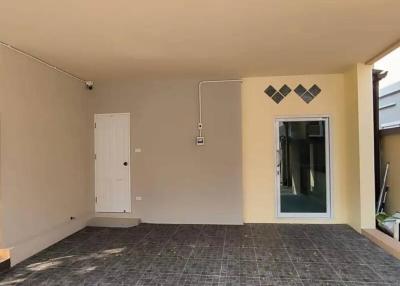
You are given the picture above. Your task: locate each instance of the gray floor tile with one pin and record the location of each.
(210, 241)
(177, 251)
(203, 267)
(323, 283)
(356, 273)
(324, 243)
(237, 253)
(214, 230)
(239, 241)
(239, 268)
(239, 281)
(230, 252)
(340, 256)
(167, 265)
(155, 279)
(388, 273)
(277, 270)
(299, 243)
(208, 252)
(251, 254)
(305, 255)
(316, 271)
(267, 281)
(269, 242)
(376, 258)
(272, 254)
(199, 280)
(368, 284)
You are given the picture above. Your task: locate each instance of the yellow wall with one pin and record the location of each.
(259, 113)
(391, 153)
(352, 150)
(366, 145)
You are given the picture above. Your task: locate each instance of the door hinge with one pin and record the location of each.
(96, 200)
(95, 156)
(95, 125)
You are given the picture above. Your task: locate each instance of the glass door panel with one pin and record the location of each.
(303, 167)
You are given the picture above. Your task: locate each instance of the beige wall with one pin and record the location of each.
(178, 181)
(390, 150)
(44, 155)
(259, 113)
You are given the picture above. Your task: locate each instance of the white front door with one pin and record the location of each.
(112, 162)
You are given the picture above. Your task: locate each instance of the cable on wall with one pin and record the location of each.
(88, 83)
(200, 138)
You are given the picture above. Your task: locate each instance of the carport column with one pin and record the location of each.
(366, 145)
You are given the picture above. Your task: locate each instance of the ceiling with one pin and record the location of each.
(103, 39)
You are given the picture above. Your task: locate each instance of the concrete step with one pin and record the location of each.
(113, 222)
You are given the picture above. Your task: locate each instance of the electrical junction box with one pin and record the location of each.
(199, 140)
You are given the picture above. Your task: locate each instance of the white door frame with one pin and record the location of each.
(129, 209)
(328, 155)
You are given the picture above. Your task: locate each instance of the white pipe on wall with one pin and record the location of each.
(42, 62)
(200, 124)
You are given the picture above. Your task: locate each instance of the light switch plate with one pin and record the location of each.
(199, 140)
(138, 150)
(138, 198)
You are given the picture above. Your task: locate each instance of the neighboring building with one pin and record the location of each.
(389, 118)
(389, 106)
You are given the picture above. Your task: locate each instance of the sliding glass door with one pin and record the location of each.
(303, 167)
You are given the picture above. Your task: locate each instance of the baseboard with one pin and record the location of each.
(33, 245)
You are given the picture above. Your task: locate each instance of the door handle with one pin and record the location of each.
(279, 161)
(125, 164)
(278, 158)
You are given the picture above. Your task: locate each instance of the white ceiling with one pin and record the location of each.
(101, 39)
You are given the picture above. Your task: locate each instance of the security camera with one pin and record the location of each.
(89, 84)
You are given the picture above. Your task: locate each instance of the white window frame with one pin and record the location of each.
(328, 155)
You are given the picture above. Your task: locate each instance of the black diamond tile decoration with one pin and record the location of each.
(285, 90)
(314, 90)
(278, 97)
(300, 90)
(270, 90)
(307, 97)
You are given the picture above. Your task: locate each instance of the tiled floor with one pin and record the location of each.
(259, 254)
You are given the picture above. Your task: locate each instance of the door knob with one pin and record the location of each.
(125, 163)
